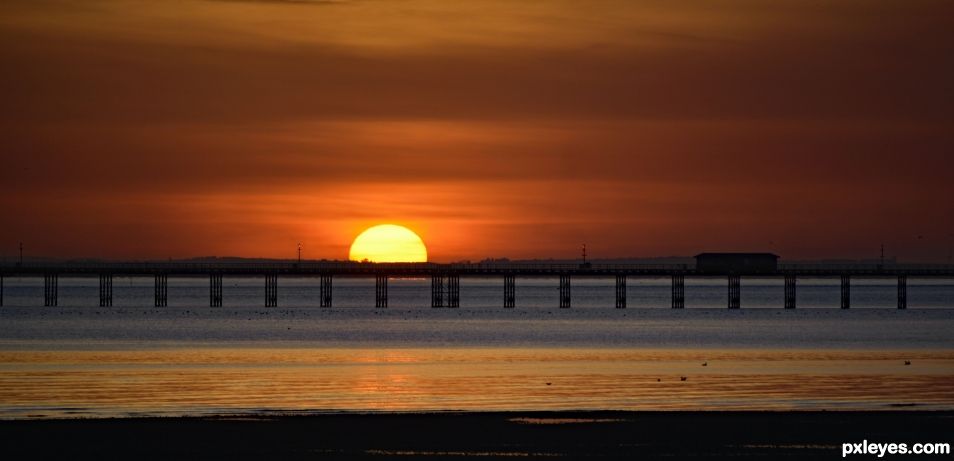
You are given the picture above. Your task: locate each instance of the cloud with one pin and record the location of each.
(652, 127)
(162, 82)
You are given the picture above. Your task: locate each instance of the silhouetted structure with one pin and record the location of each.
(453, 291)
(790, 285)
(215, 289)
(565, 296)
(105, 290)
(50, 289)
(510, 291)
(621, 292)
(325, 294)
(445, 278)
(735, 291)
(678, 291)
(161, 284)
(381, 290)
(271, 290)
(437, 291)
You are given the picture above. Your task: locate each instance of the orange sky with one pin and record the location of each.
(152, 129)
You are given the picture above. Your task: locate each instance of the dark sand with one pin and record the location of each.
(569, 435)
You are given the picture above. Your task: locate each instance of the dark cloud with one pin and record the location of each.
(893, 67)
(807, 79)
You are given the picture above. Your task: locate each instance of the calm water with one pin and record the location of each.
(189, 359)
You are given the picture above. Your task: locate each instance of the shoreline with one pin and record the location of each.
(493, 435)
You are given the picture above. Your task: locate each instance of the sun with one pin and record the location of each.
(388, 243)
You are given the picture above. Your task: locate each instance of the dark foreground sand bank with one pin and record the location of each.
(568, 435)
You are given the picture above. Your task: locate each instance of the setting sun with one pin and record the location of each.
(388, 243)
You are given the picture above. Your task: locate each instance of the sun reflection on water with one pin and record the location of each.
(241, 380)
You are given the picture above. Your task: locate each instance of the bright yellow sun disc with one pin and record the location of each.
(388, 243)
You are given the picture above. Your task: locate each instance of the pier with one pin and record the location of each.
(445, 278)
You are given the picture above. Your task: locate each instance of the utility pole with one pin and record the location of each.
(882, 255)
(584, 253)
(299, 253)
(21, 255)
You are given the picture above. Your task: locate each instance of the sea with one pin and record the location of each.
(79, 360)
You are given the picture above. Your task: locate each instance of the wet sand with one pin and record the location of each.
(568, 435)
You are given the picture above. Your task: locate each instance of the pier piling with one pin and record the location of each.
(621, 292)
(105, 290)
(565, 297)
(161, 288)
(790, 286)
(678, 291)
(325, 293)
(381, 291)
(735, 292)
(453, 290)
(510, 285)
(845, 291)
(271, 290)
(50, 290)
(215, 290)
(437, 290)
